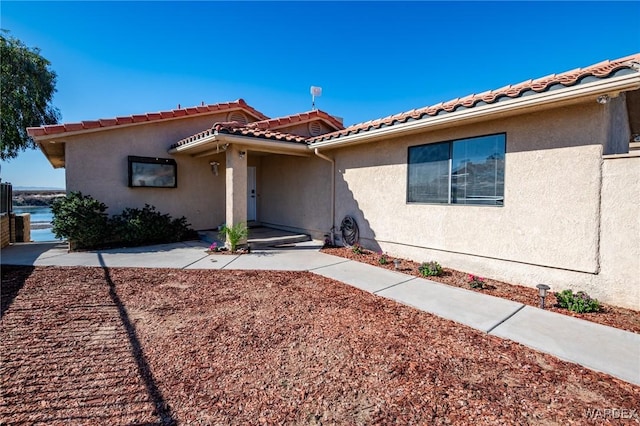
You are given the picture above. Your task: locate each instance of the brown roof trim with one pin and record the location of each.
(55, 129)
(602, 70)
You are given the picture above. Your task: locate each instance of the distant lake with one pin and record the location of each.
(41, 218)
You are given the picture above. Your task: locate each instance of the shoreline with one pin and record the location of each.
(41, 225)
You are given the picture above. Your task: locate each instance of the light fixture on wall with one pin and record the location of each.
(542, 292)
(242, 154)
(214, 167)
(602, 99)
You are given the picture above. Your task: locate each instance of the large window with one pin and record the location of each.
(464, 171)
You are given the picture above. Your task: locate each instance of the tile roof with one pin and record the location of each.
(274, 123)
(240, 129)
(139, 118)
(605, 69)
(265, 129)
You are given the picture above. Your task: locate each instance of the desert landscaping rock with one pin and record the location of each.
(158, 346)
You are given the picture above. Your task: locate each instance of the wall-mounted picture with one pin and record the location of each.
(151, 172)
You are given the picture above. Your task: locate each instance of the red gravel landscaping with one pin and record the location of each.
(157, 346)
(613, 316)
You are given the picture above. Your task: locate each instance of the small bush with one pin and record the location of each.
(234, 234)
(148, 226)
(383, 259)
(430, 269)
(579, 302)
(81, 219)
(476, 282)
(357, 249)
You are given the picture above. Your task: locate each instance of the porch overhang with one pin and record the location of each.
(213, 142)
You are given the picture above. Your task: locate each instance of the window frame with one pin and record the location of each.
(450, 143)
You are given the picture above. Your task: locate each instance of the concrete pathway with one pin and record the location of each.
(598, 347)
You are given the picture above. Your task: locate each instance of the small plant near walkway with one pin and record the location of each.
(383, 259)
(234, 234)
(579, 302)
(213, 248)
(358, 249)
(430, 269)
(476, 282)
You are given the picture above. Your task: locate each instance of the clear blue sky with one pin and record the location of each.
(372, 59)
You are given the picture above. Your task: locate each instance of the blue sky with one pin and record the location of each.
(372, 59)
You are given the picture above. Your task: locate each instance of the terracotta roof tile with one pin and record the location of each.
(239, 129)
(104, 122)
(601, 70)
(141, 118)
(288, 120)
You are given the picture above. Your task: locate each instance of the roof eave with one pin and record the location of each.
(259, 144)
(611, 86)
(56, 160)
(55, 136)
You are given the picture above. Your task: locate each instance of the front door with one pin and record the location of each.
(251, 194)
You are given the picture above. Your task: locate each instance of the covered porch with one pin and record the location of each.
(238, 159)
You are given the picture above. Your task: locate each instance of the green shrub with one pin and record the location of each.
(147, 226)
(579, 302)
(357, 249)
(430, 269)
(234, 234)
(81, 219)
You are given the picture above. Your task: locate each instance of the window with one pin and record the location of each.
(464, 171)
(152, 172)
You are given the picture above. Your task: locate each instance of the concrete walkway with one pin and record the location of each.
(598, 347)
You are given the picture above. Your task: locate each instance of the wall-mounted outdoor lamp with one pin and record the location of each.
(542, 291)
(214, 167)
(602, 99)
(242, 154)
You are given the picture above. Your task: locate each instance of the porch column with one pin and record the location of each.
(236, 186)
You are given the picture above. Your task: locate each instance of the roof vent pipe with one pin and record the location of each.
(333, 193)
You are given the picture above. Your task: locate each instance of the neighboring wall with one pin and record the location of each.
(620, 231)
(97, 166)
(5, 237)
(548, 229)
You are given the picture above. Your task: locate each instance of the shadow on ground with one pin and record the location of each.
(71, 354)
(13, 279)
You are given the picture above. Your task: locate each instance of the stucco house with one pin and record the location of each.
(537, 182)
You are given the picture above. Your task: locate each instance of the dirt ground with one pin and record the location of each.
(613, 316)
(158, 346)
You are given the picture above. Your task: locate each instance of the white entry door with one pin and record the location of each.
(251, 194)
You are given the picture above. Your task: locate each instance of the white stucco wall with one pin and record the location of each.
(96, 165)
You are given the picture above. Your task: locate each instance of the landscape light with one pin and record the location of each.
(542, 291)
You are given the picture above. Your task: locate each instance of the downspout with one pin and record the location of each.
(333, 193)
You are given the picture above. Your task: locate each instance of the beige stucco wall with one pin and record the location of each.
(295, 193)
(620, 232)
(549, 229)
(96, 164)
